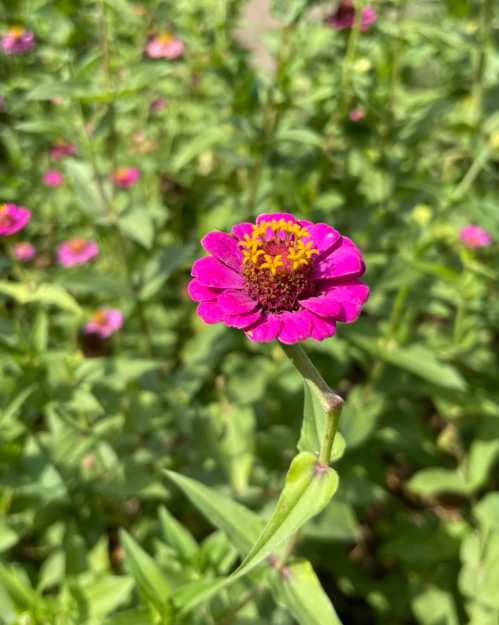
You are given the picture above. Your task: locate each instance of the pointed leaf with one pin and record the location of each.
(308, 489)
(177, 536)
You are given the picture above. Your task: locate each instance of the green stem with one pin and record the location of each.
(332, 402)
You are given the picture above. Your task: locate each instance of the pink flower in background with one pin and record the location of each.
(474, 236)
(125, 177)
(280, 278)
(157, 105)
(53, 178)
(24, 251)
(13, 218)
(104, 322)
(357, 114)
(76, 252)
(164, 46)
(17, 40)
(61, 149)
(344, 17)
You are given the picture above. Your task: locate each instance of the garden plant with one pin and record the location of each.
(249, 317)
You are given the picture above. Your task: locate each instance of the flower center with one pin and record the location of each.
(165, 38)
(277, 264)
(5, 218)
(77, 245)
(16, 31)
(100, 318)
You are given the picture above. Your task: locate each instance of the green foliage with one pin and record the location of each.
(142, 477)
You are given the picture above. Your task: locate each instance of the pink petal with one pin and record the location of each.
(323, 236)
(199, 293)
(211, 272)
(224, 247)
(322, 305)
(242, 321)
(321, 328)
(236, 302)
(351, 297)
(275, 216)
(240, 230)
(344, 260)
(296, 327)
(264, 330)
(210, 312)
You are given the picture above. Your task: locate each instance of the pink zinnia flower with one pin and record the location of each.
(17, 40)
(24, 251)
(344, 16)
(474, 236)
(125, 177)
(53, 178)
(61, 149)
(164, 46)
(357, 114)
(13, 218)
(76, 252)
(104, 322)
(280, 278)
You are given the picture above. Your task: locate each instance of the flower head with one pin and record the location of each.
(344, 17)
(24, 251)
(157, 105)
(279, 278)
(61, 149)
(104, 322)
(76, 252)
(53, 178)
(357, 114)
(474, 236)
(17, 40)
(164, 46)
(13, 218)
(125, 177)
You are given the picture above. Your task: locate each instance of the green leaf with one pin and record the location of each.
(315, 422)
(8, 537)
(177, 536)
(47, 294)
(138, 225)
(150, 580)
(137, 616)
(85, 186)
(307, 490)
(241, 525)
(199, 144)
(298, 588)
(487, 511)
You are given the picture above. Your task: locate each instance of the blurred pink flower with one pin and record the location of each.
(17, 40)
(474, 236)
(53, 178)
(344, 16)
(24, 251)
(157, 105)
(104, 322)
(125, 177)
(76, 252)
(357, 114)
(13, 218)
(61, 148)
(164, 46)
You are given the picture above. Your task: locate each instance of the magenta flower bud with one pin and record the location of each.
(157, 105)
(281, 278)
(60, 149)
(13, 218)
(104, 322)
(17, 40)
(164, 46)
(344, 17)
(76, 252)
(125, 177)
(357, 114)
(53, 178)
(474, 236)
(24, 251)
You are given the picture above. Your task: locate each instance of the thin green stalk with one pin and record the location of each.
(346, 69)
(332, 402)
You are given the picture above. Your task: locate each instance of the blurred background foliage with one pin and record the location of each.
(91, 531)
